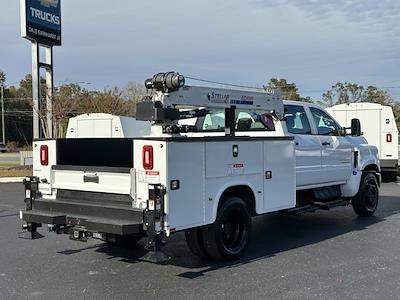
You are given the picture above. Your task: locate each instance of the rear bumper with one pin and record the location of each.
(114, 219)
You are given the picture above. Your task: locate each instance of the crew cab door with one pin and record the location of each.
(336, 150)
(308, 146)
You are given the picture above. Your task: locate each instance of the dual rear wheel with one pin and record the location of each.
(225, 239)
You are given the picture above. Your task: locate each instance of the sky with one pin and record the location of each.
(312, 43)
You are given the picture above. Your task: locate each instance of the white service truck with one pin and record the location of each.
(379, 128)
(215, 158)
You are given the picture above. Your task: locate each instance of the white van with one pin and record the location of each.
(379, 128)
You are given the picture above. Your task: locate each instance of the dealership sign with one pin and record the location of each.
(41, 21)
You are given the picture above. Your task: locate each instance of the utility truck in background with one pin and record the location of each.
(215, 157)
(100, 125)
(379, 128)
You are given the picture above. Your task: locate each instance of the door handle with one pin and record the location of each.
(91, 178)
(326, 144)
(297, 143)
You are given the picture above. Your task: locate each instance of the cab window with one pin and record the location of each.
(325, 124)
(246, 120)
(296, 120)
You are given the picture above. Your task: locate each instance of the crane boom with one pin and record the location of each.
(172, 96)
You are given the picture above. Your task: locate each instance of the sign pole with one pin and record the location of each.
(35, 89)
(49, 93)
(41, 24)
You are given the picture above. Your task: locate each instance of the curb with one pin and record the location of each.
(11, 179)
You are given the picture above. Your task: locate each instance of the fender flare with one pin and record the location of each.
(223, 189)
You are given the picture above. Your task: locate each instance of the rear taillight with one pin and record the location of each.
(388, 138)
(44, 155)
(147, 156)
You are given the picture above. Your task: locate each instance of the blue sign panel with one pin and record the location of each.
(41, 21)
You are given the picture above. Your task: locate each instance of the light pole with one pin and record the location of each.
(2, 79)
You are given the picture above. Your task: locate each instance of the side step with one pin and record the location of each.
(297, 211)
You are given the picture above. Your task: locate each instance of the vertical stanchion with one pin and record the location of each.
(153, 218)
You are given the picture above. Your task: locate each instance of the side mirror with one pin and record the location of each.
(355, 127)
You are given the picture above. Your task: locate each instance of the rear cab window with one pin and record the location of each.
(246, 120)
(296, 120)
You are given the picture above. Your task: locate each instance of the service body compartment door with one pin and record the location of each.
(186, 164)
(279, 175)
(232, 163)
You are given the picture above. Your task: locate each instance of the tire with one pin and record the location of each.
(227, 238)
(194, 240)
(125, 241)
(366, 200)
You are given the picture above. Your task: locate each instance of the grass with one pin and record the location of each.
(13, 171)
(8, 164)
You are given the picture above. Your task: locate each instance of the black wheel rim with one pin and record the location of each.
(234, 231)
(371, 196)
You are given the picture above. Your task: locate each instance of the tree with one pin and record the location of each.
(289, 90)
(375, 95)
(351, 92)
(107, 101)
(2, 77)
(65, 101)
(134, 92)
(396, 111)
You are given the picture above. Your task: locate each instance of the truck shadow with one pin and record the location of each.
(271, 235)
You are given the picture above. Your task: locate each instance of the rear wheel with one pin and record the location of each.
(366, 200)
(228, 237)
(194, 240)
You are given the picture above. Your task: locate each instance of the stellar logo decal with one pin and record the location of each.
(49, 3)
(218, 98)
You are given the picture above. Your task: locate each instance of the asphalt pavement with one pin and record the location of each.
(323, 255)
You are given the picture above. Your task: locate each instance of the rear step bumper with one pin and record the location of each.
(115, 219)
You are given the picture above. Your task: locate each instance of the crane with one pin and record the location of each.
(172, 101)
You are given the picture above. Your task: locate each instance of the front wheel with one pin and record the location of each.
(366, 200)
(227, 238)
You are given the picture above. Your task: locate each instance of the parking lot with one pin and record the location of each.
(324, 255)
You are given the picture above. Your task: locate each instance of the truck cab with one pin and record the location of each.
(325, 154)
